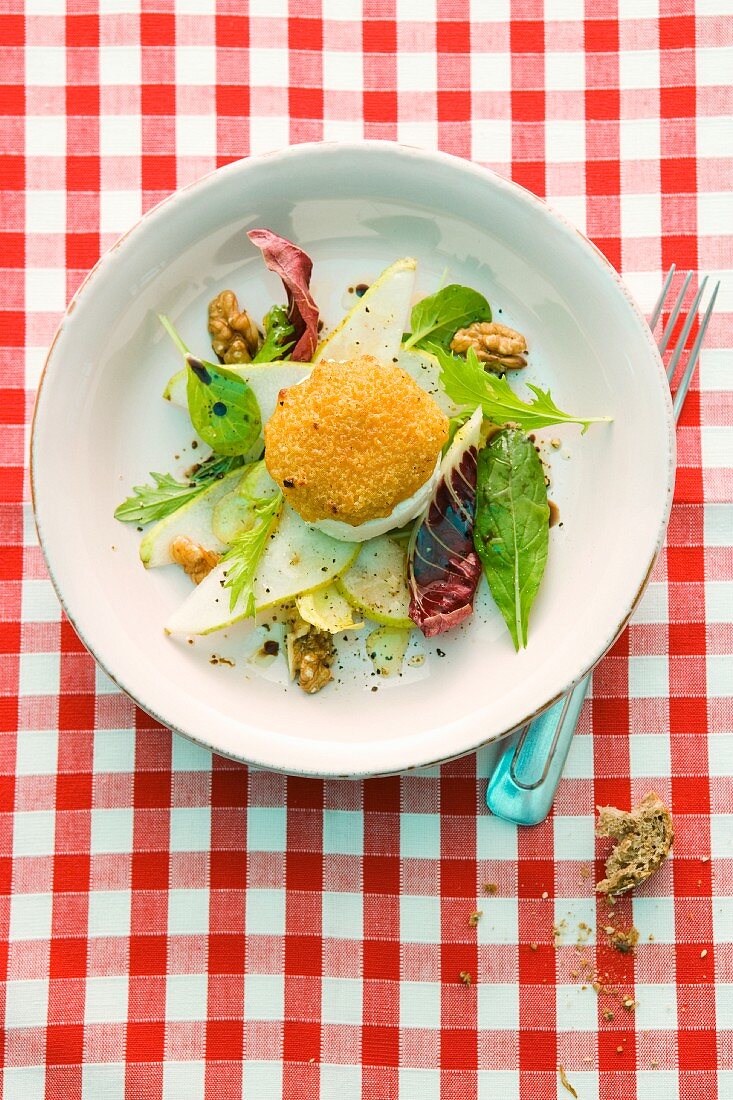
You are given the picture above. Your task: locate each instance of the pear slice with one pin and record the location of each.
(376, 323)
(193, 519)
(376, 584)
(264, 379)
(297, 559)
(327, 609)
(386, 647)
(424, 369)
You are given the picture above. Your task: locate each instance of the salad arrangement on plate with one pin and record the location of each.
(375, 474)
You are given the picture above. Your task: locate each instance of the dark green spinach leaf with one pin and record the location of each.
(440, 315)
(511, 529)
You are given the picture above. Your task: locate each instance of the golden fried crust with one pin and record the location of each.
(353, 440)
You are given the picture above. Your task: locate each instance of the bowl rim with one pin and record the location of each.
(402, 761)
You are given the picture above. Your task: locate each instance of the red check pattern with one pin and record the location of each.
(173, 926)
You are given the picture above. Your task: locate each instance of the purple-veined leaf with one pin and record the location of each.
(443, 566)
(294, 268)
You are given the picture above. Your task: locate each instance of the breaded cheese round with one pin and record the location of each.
(353, 440)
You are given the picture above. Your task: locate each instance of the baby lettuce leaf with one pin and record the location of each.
(439, 316)
(278, 336)
(222, 407)
(246, 549)
(511, 529)
(469, 385)
(294, 268)
(443, 567)
(150, 503)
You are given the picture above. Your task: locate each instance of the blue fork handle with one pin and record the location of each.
(523, 785)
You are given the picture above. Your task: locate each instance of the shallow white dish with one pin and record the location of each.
(100, 427)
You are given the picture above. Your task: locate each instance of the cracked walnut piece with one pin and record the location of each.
(235, 337)
(310, 653)
(195, 560)
(499, 347)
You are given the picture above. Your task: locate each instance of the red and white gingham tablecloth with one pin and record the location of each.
(175, 927)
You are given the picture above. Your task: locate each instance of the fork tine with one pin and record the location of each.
(689, 321)
(667, 334)
(681, 394)
(657, 311)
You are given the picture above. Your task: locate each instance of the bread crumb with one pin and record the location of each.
(629, 1004)
(491, 888)
(558, 931)
(585, 872)
(703, 953)
(623, 939)
(607, 1014)
(619, 1050)
(465, 977)
(565, 1083)
(556, 444)
(545, 894)
(475, 917)
(655, 1064)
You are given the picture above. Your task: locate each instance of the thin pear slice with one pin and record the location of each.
(234, 512)
(327, 609)
(424, 369)
(376, 323)
(193, 519)
(264, 379)
(297, 560)
(386, 647)
(376, 584)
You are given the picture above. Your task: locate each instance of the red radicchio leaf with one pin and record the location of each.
(294, 268)
(443, 567)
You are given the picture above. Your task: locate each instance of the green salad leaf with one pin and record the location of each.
(279, 336)
(511, 528)
(222, 407)
(243, 556)
(153, 502)
(439, 316)
(468, 384)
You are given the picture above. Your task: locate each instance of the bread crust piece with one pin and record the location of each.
(644, 836)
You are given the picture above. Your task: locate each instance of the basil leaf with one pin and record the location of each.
(467, 384)
(222, 407)
(440, 315)
(153, 502)
(279, 336)
(511, 528)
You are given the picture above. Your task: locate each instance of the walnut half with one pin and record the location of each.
(499, 347)
(310, 654)
(235, 337)
(195, 560)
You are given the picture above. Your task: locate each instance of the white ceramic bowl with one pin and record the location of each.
(100, 427)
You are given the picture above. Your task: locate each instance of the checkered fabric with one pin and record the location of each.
(175, 926)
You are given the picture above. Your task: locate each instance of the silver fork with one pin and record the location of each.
(523, 784)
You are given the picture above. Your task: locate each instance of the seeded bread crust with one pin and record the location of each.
(644, 836)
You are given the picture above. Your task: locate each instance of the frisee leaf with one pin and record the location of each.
(153, 502)
(469, 385)
(440, 315)
(279, 336)
(244, 554)
(511, 528)
(222, 406)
